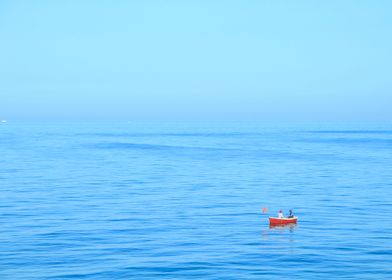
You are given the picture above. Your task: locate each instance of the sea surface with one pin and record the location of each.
(149, 200)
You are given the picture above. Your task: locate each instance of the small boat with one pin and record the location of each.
(282, 221)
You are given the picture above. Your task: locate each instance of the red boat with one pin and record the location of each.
(282, 221)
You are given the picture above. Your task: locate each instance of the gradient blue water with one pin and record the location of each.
(183, 201)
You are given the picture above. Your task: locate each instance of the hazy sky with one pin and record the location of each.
(196, 60)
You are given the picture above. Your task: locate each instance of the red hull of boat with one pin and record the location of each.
(282, 221)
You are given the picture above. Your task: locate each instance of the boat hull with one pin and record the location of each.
(282, 221)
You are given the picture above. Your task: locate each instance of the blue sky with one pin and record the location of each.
(196, 60)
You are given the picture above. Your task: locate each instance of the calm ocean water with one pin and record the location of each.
(184, 201)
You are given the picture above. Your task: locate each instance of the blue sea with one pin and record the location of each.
(149, 200)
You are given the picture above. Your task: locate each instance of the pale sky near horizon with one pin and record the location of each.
(196, 60)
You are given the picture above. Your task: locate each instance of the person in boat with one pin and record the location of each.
(280, 214)
(291, 215)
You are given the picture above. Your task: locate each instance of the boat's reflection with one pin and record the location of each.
(289, 227)
(279, 229)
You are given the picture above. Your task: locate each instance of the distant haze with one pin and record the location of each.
(196, 60)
